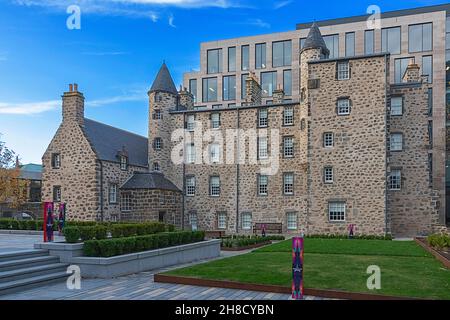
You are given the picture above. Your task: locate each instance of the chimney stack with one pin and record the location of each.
(253, 91)
(73, 105)
(278, 95)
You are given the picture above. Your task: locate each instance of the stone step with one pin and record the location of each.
(25, 254)
(28, 262)
(33, 282)
(30, 272)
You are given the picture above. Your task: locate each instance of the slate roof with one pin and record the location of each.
(164, 81)
(315, 40)
(31, 172)
(108, 141)
(150, 181)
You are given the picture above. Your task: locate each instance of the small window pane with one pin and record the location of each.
(214, 61)
(427, 67)
(262, 118)
(287, 82)
(268, 83)
(190, 186)
(229, 88)
(343, 107)
(232, 59)
(369, 42)
(263, 185)
(350, 44)
(395, 180)
(246, 221)
(288, 181)
(245, 58)
(396, 142)
(260, 56)
(343, 70)
(222, 220)
(291, 218)
(336, 211)
(397, 106)
(328, 140)
(210, 90)
(214, 186)
(263, 152)
(288, 144)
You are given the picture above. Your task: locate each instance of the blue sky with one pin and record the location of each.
(116, 54)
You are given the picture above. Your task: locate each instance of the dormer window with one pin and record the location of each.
(123, 162)
(56, 161)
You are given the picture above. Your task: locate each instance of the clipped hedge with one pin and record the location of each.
(245, 241)
(76, 234)
(120, 246)
(32, 225)
(439, 241)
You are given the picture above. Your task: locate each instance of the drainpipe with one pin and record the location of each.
(387, 64)
(183, 206)
(101, 191)
(237, 170)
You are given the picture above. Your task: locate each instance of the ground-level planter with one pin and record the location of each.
(330, 294)
(93, 267)
(438, 255)
(254, 246)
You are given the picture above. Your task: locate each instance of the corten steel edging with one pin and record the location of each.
(435, 253)
(254, 246)
(331, 294)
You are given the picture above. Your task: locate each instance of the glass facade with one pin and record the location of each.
(229, 88)
(350, 44)
(245, 58)
(369, 42)
(232, 59)
(420, 37)
(281, 53)
(243, 85)
(287, 82)
(260, 56)
(268, 83)
(214, 61)
(400, 68)
(332, 43)
(427, 67)
(193, 88)
(209, 89)
(391, 40)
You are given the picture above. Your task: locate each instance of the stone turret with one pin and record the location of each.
(163, 98)
(73, 105)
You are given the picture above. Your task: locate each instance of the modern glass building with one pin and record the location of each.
(421, 35)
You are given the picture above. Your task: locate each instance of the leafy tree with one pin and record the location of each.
(12, 189)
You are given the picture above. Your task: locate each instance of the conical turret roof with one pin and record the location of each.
(315, 40)
(164, 81)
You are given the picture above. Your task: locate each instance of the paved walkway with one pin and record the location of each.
(133, 287)
(16, 242)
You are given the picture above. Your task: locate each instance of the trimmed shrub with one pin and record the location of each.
(439, 241)
(72, 234)
(101, 232)
(87, 233)
(5, 223)
(119, 246)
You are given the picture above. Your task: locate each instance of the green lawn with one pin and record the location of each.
(406, 269)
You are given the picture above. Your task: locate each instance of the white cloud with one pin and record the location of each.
(281, 4)
(257, 23)
(29, 108)
(32, 108)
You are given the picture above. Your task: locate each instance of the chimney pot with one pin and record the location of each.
(70, 87)
(75, 87)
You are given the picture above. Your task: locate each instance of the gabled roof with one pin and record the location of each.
(164, 81)
(315, 40)
(149, 181)
(31, 171)
(108, 141)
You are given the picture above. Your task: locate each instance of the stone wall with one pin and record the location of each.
(358, 157)
(77, 175)
(410, 210)
(147, 205)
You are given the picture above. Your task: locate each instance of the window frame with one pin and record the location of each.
(245, 55)
(56, 160)
(219, 60)
(339, 107)
(57, 193)
(385, 33)
(261, 186)
(402, 105)
(230, 69)
(347, 34)
(397, 184)
(285, 175)
(220, 221)
(289, 226)
(205, 89)
(288, 151)
(263, 53)
(227, 93)
(340, 72)
(214, 190)
(190, 189)
(266, 118)
(335, 215)
(286, 116)
(123, 163)
(244, 222)
(326, 139)
(112, 196)
(285, 57)
(328, 175)
(372, 32)
(396, 143)
(126, 202)
(422, 25)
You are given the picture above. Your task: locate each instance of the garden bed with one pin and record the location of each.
(334, 265)
(253, 246)
(442, 255)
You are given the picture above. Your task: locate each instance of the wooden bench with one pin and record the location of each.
(217, 234)
(271, 228)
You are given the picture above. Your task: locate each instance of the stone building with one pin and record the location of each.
(353, 149)
(87, 163)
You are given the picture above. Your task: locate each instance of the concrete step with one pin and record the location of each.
(25, 254)
(33, 282)
(30, 272)
(28, 262)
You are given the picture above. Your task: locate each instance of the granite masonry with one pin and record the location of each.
(354, 149)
